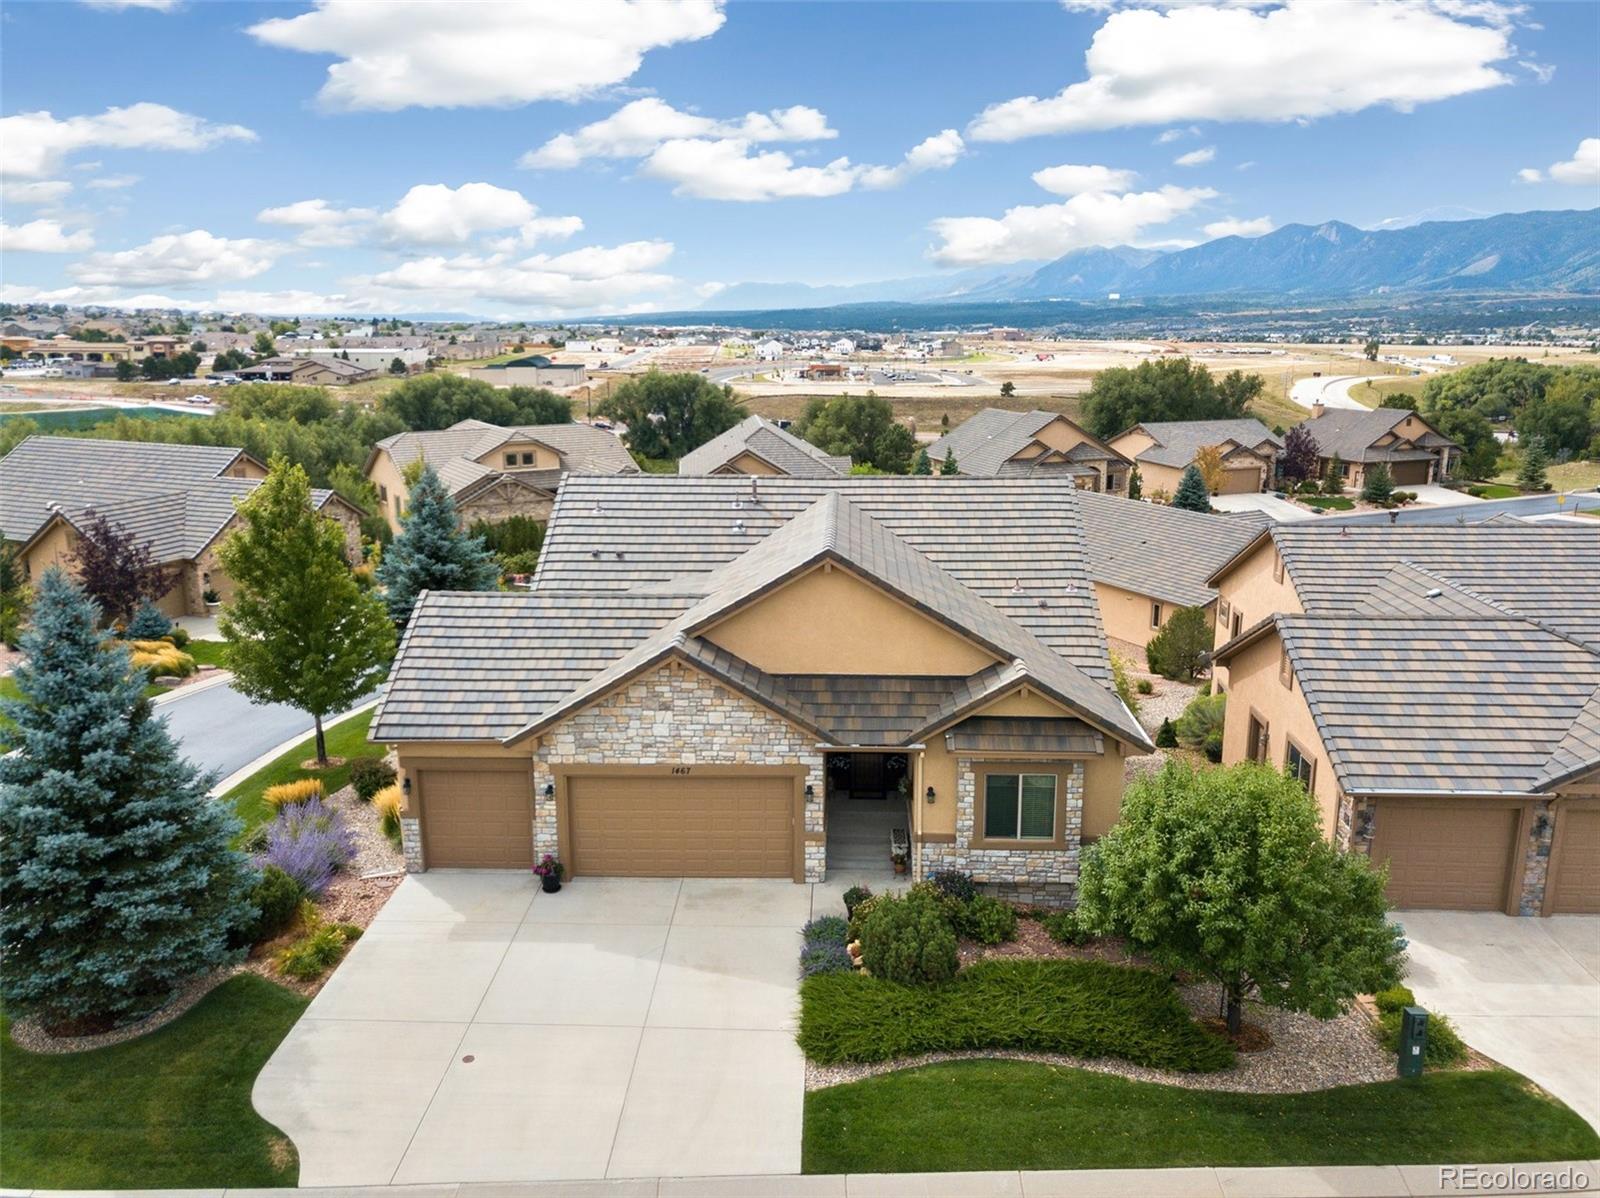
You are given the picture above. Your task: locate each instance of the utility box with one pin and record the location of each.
(1413, 1040)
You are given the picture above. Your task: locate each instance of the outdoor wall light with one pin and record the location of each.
(930, 795)
(405, 788)
(811, 791)
(1541, 825)
(549, 790)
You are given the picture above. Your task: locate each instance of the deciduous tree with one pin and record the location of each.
(432, 553)
(434, 401)
(861, 427)
(1168, 389)
(117, 570)
(1298, 459)
(1212, 470)
(667, 415)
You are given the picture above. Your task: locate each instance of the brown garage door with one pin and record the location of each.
(653, 825)
(1409, 473)
(1455, 856)
(1575, 889)
(477, 818)
(1241, 480)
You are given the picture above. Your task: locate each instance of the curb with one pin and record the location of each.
(271, 755)
(217, 678)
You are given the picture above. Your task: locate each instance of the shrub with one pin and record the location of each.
(909, 940)
(956, 884)
(1123, 682)
(1442, 1048)
(819, 957)
(1393, 999)
(1085, 1008)
(1145, 687)
(1064, 927)
(308, 841)
(148, 624)
(1200, 725)
(854, 898)
(1166, 736)
(1182, 647)
(858, 917)
(276, 897)
(369, 775)
(987, 920)
(161, 659)
(387, 802)
(319, 949)
(825, 929)
(178, 636)
(287, 794)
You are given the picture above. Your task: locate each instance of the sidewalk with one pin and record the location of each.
(1378, 1181)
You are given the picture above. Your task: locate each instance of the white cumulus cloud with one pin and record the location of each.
(321, 224)
(178, 260)
(1050, 230)
(446, 54)
(37, 142)
(1583, 168)
(1298, 60)
(1196, 157)
(437, 214)
(44, 237)
(119, 5)
(596, 278)
(1070, 180)
(111, 182)
(936, 153)
(42, 191)
(636, 129)
(1238, 227)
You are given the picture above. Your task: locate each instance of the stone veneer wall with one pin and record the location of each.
(503, 502)
(1041, 876)
(678, 716)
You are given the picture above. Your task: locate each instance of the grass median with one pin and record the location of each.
(346, 739)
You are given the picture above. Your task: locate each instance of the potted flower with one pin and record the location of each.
(213, 600)
(899, 860)
(550, 872)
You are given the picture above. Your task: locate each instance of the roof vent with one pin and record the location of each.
(598, 510)
(1433, 594)
(755, 493)
(738, 526)
(1016, 586)
(738, 504)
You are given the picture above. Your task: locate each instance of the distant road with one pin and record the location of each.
(219, 729)
(1528, 505)
(59, 401)
(1331, 392)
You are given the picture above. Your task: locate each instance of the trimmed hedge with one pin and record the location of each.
(1083, 1008)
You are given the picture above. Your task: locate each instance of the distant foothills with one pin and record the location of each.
(1526, 253)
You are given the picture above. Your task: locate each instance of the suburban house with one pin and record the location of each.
(535, 370)
(1437, 688)
(1415, 452)
(757, 446)
(1147, 561)
(1164, 449)
(179, 499)
(494, 472)
(997, 443)
(309, 372)
(742, 676)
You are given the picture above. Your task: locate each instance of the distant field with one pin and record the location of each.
(1570, 476)
(1372, 392)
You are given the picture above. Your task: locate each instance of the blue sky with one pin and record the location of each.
(546, 157)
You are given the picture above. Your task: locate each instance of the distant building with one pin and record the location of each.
(376, 358)
(952, 349)
(844, 347)
(535, 370)
(758, 446)
(769, 350)
(997, 443)
(827, 371)
(310, 372)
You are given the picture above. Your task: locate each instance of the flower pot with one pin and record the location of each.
(550, 883)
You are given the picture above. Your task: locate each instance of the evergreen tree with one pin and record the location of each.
(1531, 474)
(1192, 494)
(1378, 485)
(1179, 651)
(1135, 483)
(13, 593)
(119, 877)
(300, 630)
(1333, 476)
(432, 553)
(948, 466)
(923, 464)
(148, 623)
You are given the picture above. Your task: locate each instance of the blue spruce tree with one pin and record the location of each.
(120, 883)
(1192, 493)
(432, 553)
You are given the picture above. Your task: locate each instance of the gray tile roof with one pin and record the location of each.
(583, 448)
(997, 734)
(1178, 441)
(779, 447)
(78, 473)
(1350, 433)
(870, 709)
(1164, 552)
(1419, 705)
(985, 443)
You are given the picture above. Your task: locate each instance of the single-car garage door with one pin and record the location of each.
(1455, 856)
(1409, 474)
(477, 818)
(1575, 886)
(655, 825)
(1241, 480)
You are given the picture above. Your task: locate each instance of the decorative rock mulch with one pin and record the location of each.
(28, 1034)
(375, 852)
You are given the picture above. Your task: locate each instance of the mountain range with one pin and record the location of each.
(1513, 252)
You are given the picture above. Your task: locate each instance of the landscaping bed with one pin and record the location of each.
(347, 739)
(979, 1115)
(168, 1110)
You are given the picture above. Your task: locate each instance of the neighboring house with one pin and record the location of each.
(307, 372)
(1437, 688)
(177, 499)
(713, 676)
(997, 443)
(1165, 449)
(1415, 452)
(377, 359)
(494, 472)
(535, 370)
(1148, 561)
(757, 446)
(770, 350)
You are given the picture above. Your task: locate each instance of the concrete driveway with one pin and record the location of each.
(1280, 510)
(482, 1031)
(1523, 991)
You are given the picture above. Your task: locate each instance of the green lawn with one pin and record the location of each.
(1493, 491)
(1568, 476)
(347, 739)
(970, 1115)
(205, 653)
(1337, 503)
(168, 1110)
(1085, 1008)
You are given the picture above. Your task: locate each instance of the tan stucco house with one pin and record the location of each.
(716, 676)
(1164, 449)
(1415, 452)
(494, 472)
(180, 499)
(997, 443)
(307, 372)
(758, 446)
(1437, 688)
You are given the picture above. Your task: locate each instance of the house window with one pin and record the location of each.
(511, 459)
(383, 493)
(527, 459)
(1019, 807)
(1238, 622)
(1300, 764)
(1155, 615)
(1256, 747)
